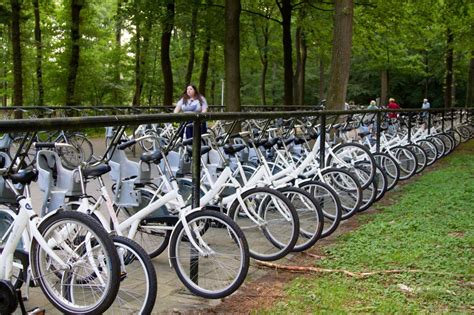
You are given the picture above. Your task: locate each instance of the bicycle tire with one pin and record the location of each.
(275, 235)
(66, 300)
(86, 146)
(347, 187)
(406, 160)
(390, 167)
(138, 284)
(381, 181)
(440, 146)
(354, 153)
(149, 235)
(430, 150)
(310, 216)
(227, 242)
(329, 203)
(421, 158)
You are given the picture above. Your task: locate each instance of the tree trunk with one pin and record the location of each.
(301, 55)
(17, 57)
(321, 79)
(140, 59)
(167, 25)
(470, 83)
(118, 45)
(39, 53)
(205, 56)
(76, 7)
(341, 54)
(285, 10)
(232, 55)
(296, 95)
(263, 53)
(427, 79)
(448, 96)
(5, 53)
(205, 64)
(384, 88)
(192, 41)
(138, 70)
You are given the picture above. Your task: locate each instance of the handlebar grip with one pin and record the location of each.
(127, 144)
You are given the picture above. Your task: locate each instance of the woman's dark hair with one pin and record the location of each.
(185, 96)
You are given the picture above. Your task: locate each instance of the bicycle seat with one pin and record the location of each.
(154, 157)
(204, 149)
(232, 149)
(364, 134)
(95, 171)
(24, 176)
(285, 141)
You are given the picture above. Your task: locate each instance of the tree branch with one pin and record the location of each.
(346, 272)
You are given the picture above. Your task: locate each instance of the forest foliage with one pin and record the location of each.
(120, 56)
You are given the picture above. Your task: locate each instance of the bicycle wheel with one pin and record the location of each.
(81, 141)
(381, 181)
(90, 283)
(390, 167)
(269, 221)
(349, 155)
(421, 159)
(71, 156)
(310, 216)
(222, 266)
(448, 142)
(152, 233)
(138, 284)
(430, 151)
(347, 188)
(440, 146)
(328, 201)
(406, 159)
(368, 194)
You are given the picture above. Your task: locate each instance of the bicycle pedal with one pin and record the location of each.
(36, 311)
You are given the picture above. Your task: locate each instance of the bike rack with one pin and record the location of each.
(27, 125)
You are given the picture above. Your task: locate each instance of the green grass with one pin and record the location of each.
(429, 227)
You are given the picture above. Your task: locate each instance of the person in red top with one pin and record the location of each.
(392, 105)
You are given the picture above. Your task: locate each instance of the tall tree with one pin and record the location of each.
(448, 92)
(192, 42)
(16, 51)
(470, 83)
(341, 54)
(301, 55)
(142, 43)
(39, 53)
(232, 55)
(76, 7)
(285, 10)
(206, 52)
(167, 28)
(116, 99)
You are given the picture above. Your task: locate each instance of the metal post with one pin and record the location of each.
(452, 118)
(442, 120)
(196, 170)
(410, 115)
(322, 141)
(378, 130)
(429, 123)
